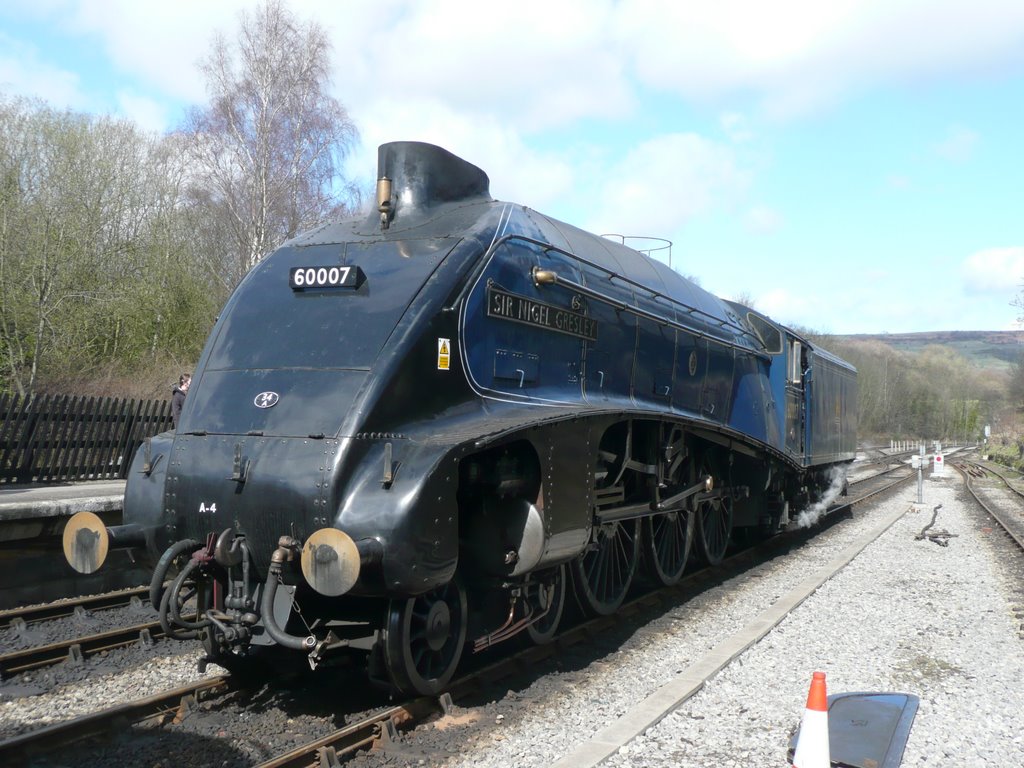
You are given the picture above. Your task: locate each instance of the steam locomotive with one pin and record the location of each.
(418, 431)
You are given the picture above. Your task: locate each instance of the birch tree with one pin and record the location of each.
(269, 146)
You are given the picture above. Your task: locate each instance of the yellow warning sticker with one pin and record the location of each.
(444, 354)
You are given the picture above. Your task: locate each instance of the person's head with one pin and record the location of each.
(184, 380)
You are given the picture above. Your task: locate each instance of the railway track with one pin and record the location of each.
(879, 466)
(879, 483)
(381, 726)
(168, 706)
(77, 649)
(1012, 524)
(58, 609)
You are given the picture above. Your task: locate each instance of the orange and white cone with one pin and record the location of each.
(812, 743)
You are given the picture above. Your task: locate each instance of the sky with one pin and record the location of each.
(851, 166)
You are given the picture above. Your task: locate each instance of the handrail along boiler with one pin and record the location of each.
(411, 432)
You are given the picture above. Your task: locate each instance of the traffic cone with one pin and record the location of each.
(812, 741)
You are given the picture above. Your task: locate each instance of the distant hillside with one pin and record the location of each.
(987, 349)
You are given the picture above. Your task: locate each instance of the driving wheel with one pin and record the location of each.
(714, 522)
(423, 638)
(667, 539)
(603, 574)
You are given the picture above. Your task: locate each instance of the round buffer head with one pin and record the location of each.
(86, 542)
(330, 562)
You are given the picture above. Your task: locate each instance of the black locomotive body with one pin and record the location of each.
(411, 431)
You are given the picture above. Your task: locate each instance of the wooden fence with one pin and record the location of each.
(58, 438)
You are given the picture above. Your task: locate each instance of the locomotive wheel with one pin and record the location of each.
(667, 539)
(546, 595)
(714, 525)
(603, 575)
(423, 639)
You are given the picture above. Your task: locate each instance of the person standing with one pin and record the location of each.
(178, 396)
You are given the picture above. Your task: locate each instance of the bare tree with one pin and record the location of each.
(269, 146)
(97, 268)
(61, 223)
(746, 298)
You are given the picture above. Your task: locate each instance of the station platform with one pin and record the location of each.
(32, 520)
(26, 511)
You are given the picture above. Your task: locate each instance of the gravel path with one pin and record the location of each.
(905, 615)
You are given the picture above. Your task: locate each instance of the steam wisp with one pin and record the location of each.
(811, 515)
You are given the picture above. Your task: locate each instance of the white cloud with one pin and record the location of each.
(877, 301)
(518, 68)
(802, 55)
(994, 271)
(24, 71)
(534, 64)
(147, 113)
(958, 145)
(736, 127)
(861, 307)
(660, 184)
(762, 220)
(155, 44)
(787, 306)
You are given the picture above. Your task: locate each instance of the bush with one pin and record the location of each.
(1009, 455)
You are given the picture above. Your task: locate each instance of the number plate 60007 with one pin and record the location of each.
(330, 276)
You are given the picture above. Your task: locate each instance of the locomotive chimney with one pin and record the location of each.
(414, 177)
